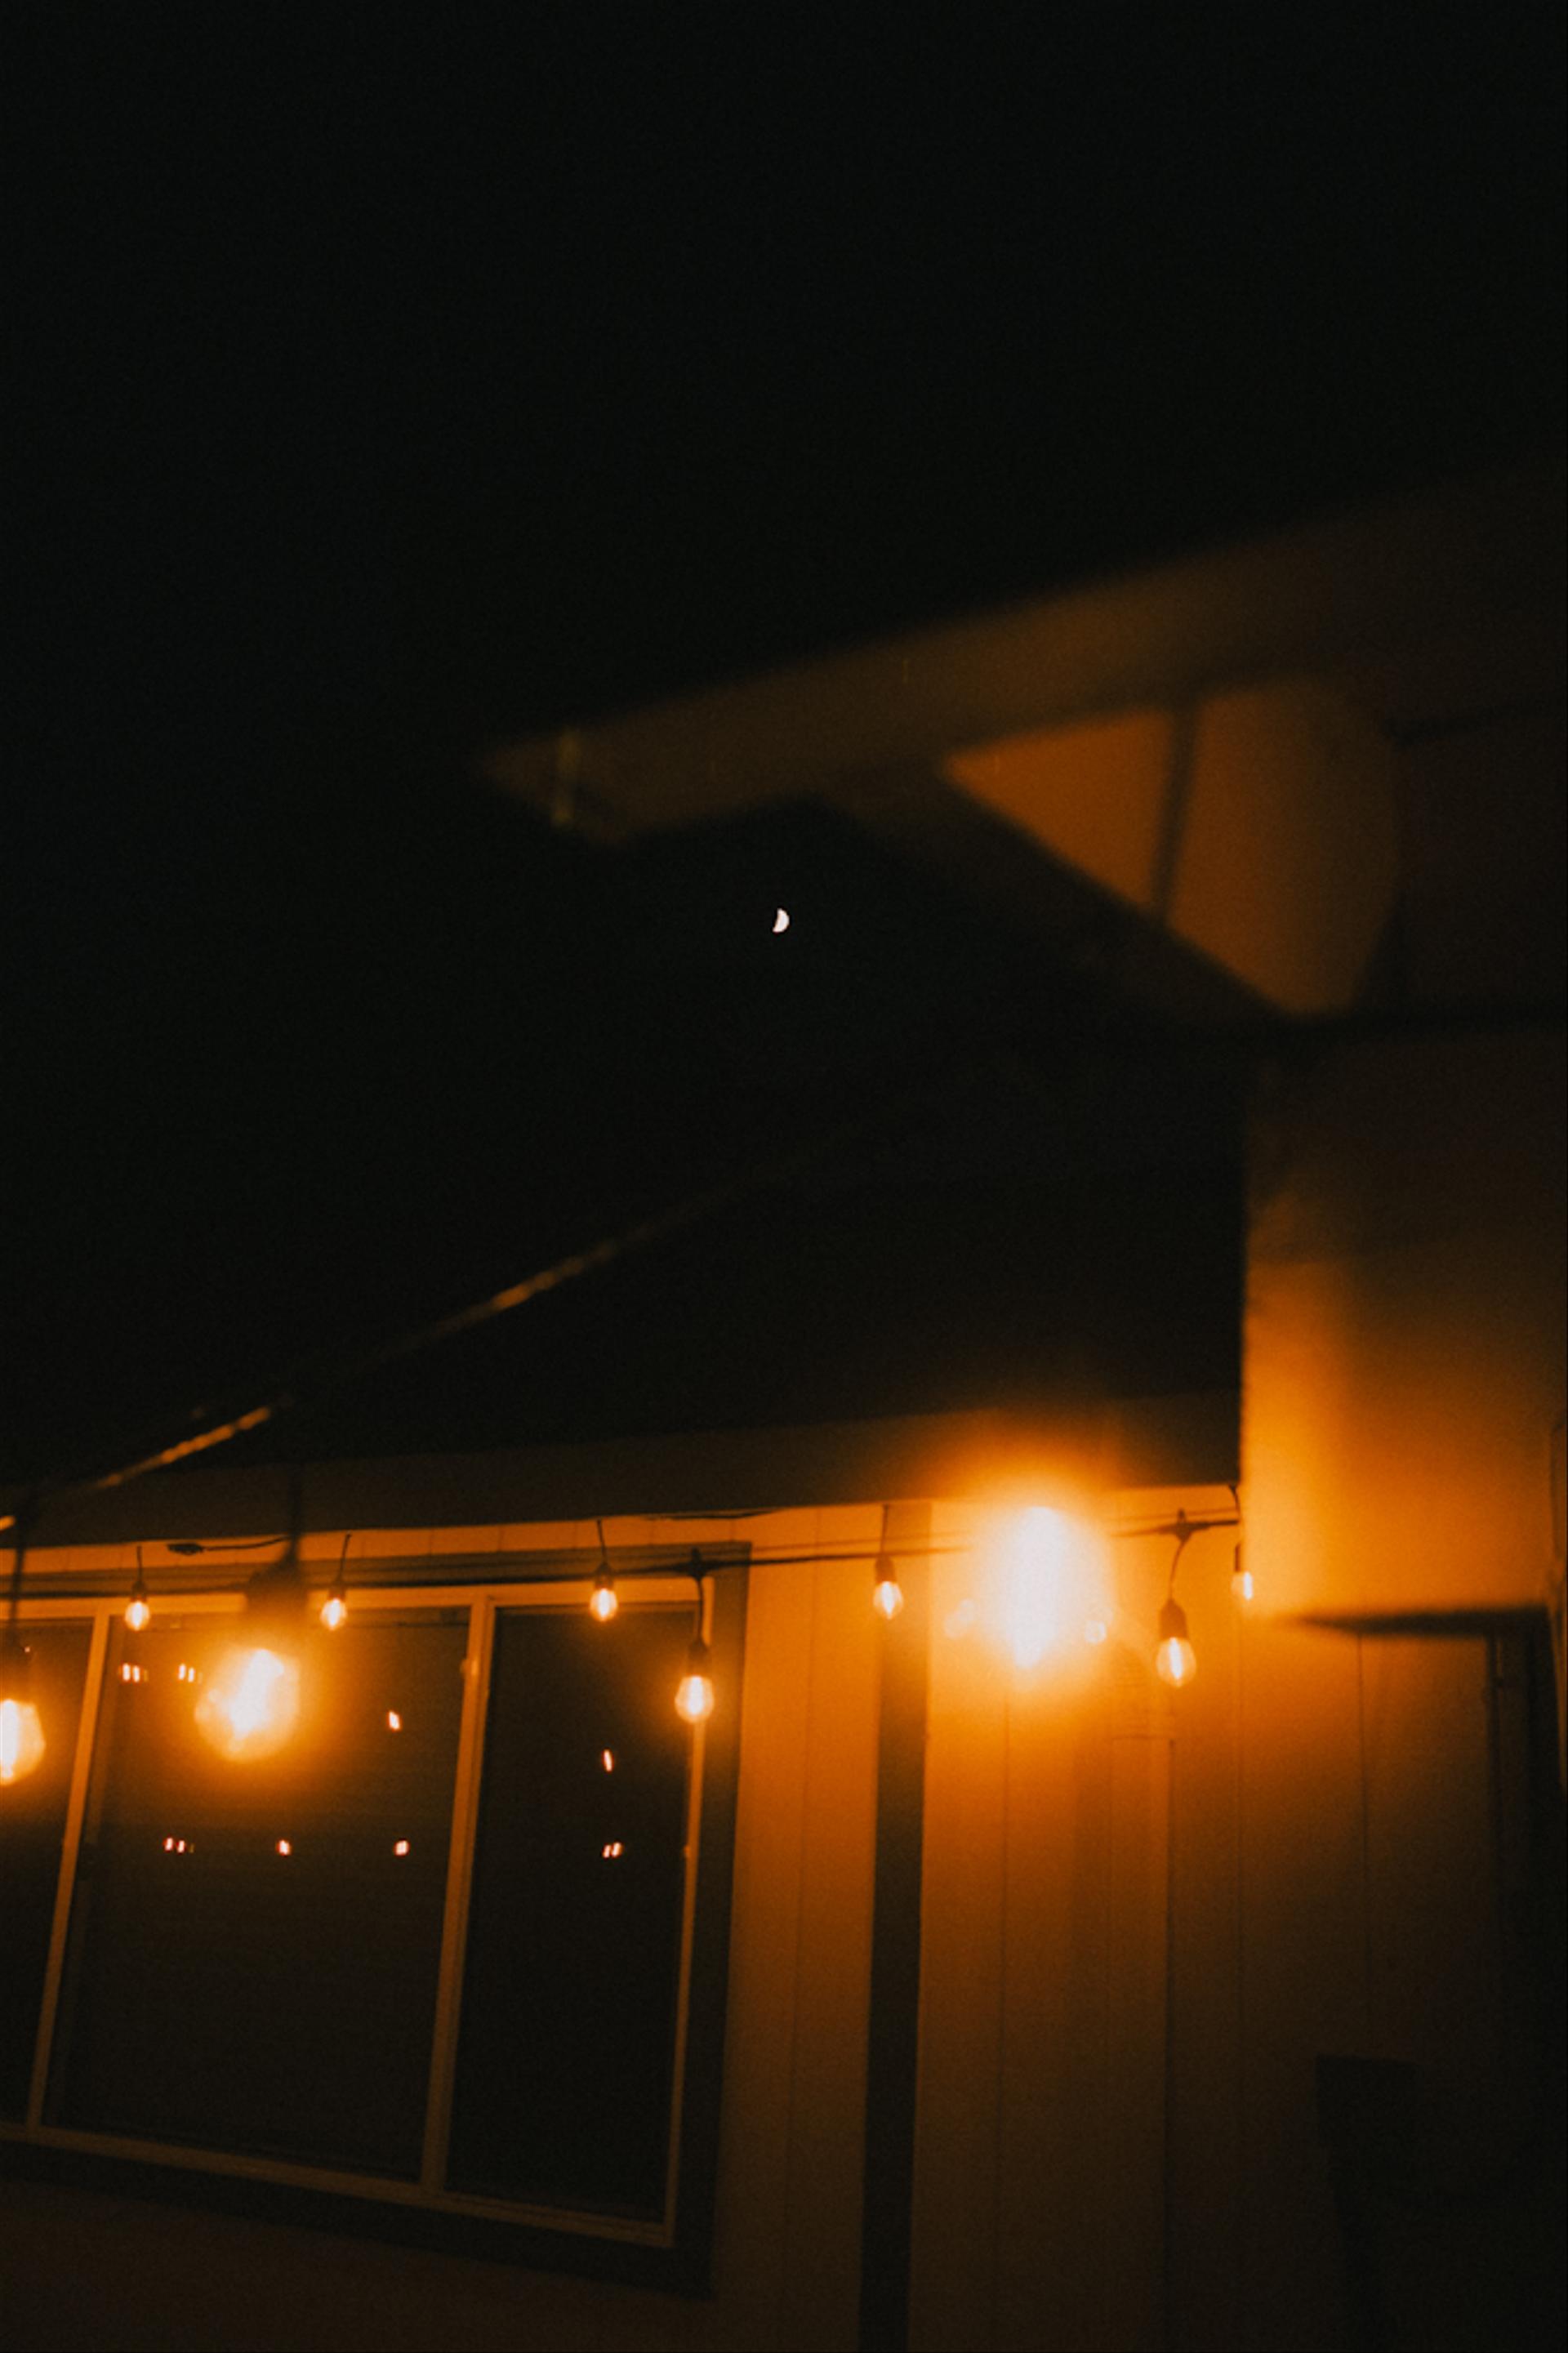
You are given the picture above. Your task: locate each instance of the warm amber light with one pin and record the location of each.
(960, 1622)
(1175, 1661)
(694, 1698)
(607, 1759)
(285, 1846)
(1096, 1630)
(393, 1721)
(335, 1608)
(613, 1851)
(604, 1602)
(888, 1597)
(21, 1740)
(138, 1612)
(1241, 1585)
(400, 1846)
(250, 1706)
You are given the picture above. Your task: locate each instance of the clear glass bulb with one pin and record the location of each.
(604, 1602)
(694, 1696)
(21, 1740)
(251, 1706)
(334, 1611)
(888, 1597)
(138, 1611)
(694, 1699)
(1175, 1661)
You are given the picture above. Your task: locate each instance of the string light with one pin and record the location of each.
(250, 1707)
(335, 1608)
(1241, 1585)
(139, 1609)
(22, 1740)
(1175, 1661)
(694, 1694)
(604, 1602)
(887, 1593)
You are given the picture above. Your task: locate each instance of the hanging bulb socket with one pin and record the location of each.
(604, 1602)
(139, 1607)
(1175, 1661)
(887, 1593)
(694, 1694)
(250, 1705)
(1241, 1585)
(21, 1727)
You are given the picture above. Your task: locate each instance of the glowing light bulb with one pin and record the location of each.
(887, 1597)
(1241, 1585)
(139, 1609)
(604, 1602)
(21, 1739)
(607, 1759)
(335, 1608)
(284, 1846)
(250, 1706)
(1036, 1576)
(781, 920)
(694, 1696)
(400, 1846)
(1175, 1661)
(393, 1721)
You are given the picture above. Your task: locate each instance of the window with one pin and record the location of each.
(453, 1957)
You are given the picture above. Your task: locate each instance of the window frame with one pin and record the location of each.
(675, 2251)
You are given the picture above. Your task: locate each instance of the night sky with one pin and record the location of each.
(393, 380)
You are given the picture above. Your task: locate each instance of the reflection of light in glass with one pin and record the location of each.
(179, 1846)
(400, 1846)
(21, 1739)
(960, 1622)
(130, 1673)
(393, 1721)
(251, 1704)
(607, 1759)
(611, 1850)
(284, 1846)
(184, 1673)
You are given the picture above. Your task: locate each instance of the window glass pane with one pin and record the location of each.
(254, 1945)
(32, 1826)
(567, 2039)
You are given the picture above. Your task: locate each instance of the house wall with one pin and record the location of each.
(787, 2267)
(1346, 1876)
